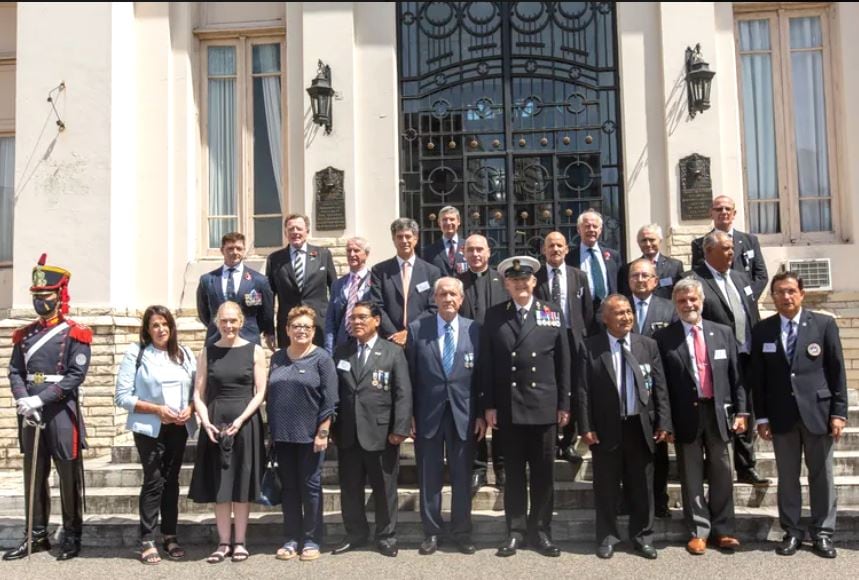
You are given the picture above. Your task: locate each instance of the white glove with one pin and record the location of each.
(27, 405)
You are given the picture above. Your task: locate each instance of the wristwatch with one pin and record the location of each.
(322, 433)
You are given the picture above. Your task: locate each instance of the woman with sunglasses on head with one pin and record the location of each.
(302, 394)
(154, 385)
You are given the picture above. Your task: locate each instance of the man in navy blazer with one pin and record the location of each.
(386, 286)
(236, 282)
(447, 253)
(800, 393)
(347, 291)
(668, 270)
(441, 351)
(600, 264)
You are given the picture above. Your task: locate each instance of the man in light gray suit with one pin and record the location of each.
(441, 351)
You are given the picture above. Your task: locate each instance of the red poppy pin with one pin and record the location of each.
(313, 254)
(248, 276)
(606, 256)
(546, 308)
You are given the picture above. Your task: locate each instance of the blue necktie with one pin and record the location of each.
(641, 316)
(231, 285)
(624, 395)
(449, 347)
(596, 275)
(791, 341)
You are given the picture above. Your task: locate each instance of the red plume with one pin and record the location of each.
(64, 299)
(43, 259)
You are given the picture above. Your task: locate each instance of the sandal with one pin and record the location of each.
(309, 554)
(172, 547)
(240, 556)
(219, 555)
(149, 553)
(288, 551)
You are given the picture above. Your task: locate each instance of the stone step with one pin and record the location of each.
(264, 532)
(568, 495)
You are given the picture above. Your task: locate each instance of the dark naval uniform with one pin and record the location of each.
(50, 360)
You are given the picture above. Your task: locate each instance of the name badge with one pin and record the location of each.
(344, 365)
(666, 282)
(769, 347)
(721, 354)
(750, 254)
(748, 290)
(422, 287)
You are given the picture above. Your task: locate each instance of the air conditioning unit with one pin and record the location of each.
(816, 273)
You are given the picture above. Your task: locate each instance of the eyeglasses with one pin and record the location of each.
(360, 317)
(641, 276)
(304, 327)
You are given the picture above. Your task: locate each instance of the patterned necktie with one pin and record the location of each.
(298, 268)
(556, 286)
(737, 309)
(705, 373)
(597, 275)
(350, 303)
(449, 347)
(641, 316)
(451, 255)
(791, 341)
(407, 277)
(623, 386)
(231, 285)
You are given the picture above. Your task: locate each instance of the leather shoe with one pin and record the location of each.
(824, 548)
(348, 545)
(500, 478)
(569, 454)
(646, 550)
(662, 512)
(696, 546)
(509, 547)
(751, 476)
(545, 546)
(428, 546)
(478, 480)
(388, 548)
(71, 548)
(788, 547)
(605, 551)
(725, 542)
(40, 544)
(465, 545)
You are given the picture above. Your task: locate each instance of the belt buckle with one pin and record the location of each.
(39, 378)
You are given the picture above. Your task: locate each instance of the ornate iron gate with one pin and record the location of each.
(510, 112)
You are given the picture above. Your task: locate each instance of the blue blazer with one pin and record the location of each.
(254, 295)
(431, 388)
(335, 316)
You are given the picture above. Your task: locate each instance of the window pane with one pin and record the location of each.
(268, 152)
(222, 60)
(218, 227)
(759, 128)
(266, 58)
(223, 174)
(267, 233)
(809, 108)
(7, 196)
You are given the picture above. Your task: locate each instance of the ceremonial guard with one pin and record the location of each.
(49, 362)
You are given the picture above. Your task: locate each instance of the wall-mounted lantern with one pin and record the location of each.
(699, 78)
(322, 97)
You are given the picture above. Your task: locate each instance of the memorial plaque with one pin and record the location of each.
(696, 189)
(330, 200)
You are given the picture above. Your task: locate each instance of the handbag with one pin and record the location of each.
(271, 490)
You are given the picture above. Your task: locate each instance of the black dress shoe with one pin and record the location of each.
(788, 547)
(500, 478)
(388, 548)
(569, 454)
(546, 547)
(428, 546)
(605, 551)
(348, 545)
(509, 547)
(40, 544)
(646, 550)
(751, 476)
(824, 548)
(71, 548)
(478, 480)
(465, 545)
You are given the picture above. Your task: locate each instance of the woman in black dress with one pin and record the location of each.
(231, 383)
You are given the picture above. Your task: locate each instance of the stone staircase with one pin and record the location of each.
(113, 483)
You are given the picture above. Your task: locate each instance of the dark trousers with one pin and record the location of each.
(630, 463)
(744, 443)
(300, 471)
(430, 453)
(161, 459)
(529, 449)
(379, 467)
(71, 489)
(484, 450)
(660, 476)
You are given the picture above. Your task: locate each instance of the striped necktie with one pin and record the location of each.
(298, 268)
(350, 303)
(449, 347)
(791, 341)
(231, 285)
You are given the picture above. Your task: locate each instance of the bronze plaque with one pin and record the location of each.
(330, 200)
(696, 189)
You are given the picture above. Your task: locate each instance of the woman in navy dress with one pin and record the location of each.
(302, 394)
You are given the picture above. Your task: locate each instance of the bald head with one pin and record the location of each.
(477, 253)
(555, 249)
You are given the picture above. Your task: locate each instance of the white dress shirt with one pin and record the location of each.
(631, 398)
(303, 252)
(454, 324)
(585, 265)
(726, 284)
(785, 329)
(562, 279)
(362, 276)
(237, 278)
(370, 343)
(527, 307)
(639, 321)
(690, 344)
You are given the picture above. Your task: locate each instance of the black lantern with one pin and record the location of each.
(699, 77)
(322, 96)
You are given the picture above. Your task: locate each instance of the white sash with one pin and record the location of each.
(42, 341)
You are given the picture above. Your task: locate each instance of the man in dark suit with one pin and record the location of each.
(651, 314)
(403, 271)
(729, 299)
(524, 373)
(347, 291)
(800, 391)
(622, 412)
(567, 288)
(668, 270)
(236, 282)
(373, 418)
(447, 254)
(483, 289)
(441, 352)
(599, 263)
(747, 250)
(708, 404)
(300, 273)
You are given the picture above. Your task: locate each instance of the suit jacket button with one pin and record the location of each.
(533, 385)
(695, 404)
(513, 384)
(513, 354)
(513, 369)
(533, 369)
(533, 355)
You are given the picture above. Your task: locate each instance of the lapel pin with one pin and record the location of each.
(814, 349)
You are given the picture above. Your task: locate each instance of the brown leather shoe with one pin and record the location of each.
(696, 546)
(726, 542)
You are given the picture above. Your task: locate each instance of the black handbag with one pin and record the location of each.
(271, 490)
